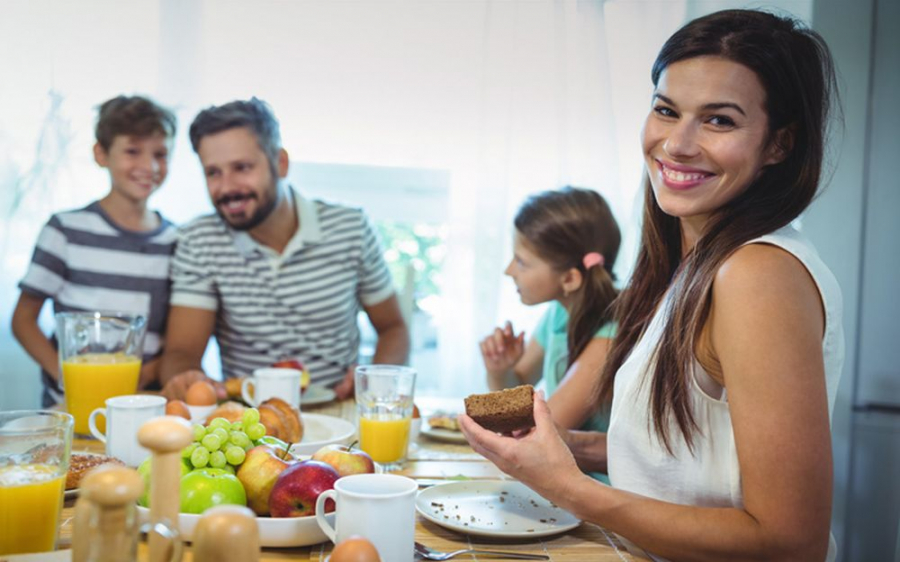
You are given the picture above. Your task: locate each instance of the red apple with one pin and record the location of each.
(297, 489)
(345, 460)
(258, 473)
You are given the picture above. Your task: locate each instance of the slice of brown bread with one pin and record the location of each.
(504, 410)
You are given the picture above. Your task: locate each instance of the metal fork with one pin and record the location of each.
(431, 554)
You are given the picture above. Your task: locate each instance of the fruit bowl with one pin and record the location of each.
(274, 532)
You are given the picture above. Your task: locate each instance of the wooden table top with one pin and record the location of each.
(432, 460)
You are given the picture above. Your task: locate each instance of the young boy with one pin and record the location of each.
(113, 254)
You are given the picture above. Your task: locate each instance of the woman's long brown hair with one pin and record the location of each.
(795, 68)
(562, 227)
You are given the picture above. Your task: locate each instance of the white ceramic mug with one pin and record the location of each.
(124, 415)
(379, 507)
(273, 382)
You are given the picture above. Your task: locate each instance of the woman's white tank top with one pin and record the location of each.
(711, 476)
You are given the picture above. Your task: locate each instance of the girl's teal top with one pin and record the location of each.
(550, 333)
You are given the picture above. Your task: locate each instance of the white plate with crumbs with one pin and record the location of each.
(491, 508)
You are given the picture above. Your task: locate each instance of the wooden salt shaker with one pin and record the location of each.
(227, 533)
(164, 437)
(105, 517)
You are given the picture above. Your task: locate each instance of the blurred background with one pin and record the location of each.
(438, 117)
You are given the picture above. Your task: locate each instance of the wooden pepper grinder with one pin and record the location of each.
(106, 524)
(164, 437)
(226, 533)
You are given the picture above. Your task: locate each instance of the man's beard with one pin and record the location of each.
(261, 214)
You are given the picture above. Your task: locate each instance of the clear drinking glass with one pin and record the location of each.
(384, 402)
(99, 357)
(34, 459)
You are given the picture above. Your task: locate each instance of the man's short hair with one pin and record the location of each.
(253, 114)
(132, 116)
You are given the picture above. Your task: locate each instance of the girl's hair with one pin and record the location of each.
(562, 227)
(795, 68)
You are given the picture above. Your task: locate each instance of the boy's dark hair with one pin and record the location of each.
(134, 116)
(254, 114)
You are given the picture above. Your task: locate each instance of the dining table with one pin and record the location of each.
(430, 462)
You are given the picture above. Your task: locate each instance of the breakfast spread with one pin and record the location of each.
(80, 464)
(503, 411)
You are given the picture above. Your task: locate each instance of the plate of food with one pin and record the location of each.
(280, 484)
(493, 508)
(442, 426)
(316, 394)
(80, 462)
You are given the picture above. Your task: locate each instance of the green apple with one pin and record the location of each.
(207, 487)
(144, 471)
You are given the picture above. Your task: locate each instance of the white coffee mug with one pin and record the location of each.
(379, 507)
(273, 382)
(124, 415)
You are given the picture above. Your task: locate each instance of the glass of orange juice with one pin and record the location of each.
(100, 357)
(34, 459)
(384, 402)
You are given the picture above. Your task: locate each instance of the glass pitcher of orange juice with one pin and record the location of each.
(100, 357)
(384, 402)
(34, 459)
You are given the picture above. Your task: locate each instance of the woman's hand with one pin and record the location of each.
(502, 350)
(539, 458)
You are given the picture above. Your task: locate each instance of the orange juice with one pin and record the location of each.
(31, 497)
(89, 379)
(384, 438)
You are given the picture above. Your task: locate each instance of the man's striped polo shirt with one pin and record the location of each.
(301, 304)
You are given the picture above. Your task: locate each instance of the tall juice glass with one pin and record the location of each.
(384, 402)
(34, 458)
(100, 357)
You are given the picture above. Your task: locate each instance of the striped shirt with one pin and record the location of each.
(301, 304)
(83, 261)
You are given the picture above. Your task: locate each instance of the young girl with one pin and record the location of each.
(726, 363)
(564, 248)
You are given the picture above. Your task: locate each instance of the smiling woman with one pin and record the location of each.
(734, 378)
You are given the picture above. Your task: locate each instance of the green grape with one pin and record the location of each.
(200, 457)
(256, 431)
(235, 455)
(217, 459)
(240, 439)
(199, 432)
(222, 434)
(237, 426)
(251, 416)
(212, 442)
(188, 451)
(220, 422)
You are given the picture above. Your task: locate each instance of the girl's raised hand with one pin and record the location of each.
(538, 458)
(502, 349)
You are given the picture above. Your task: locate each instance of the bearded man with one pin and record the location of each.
(272, 275)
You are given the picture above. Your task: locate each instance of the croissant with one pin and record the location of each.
(281, 420)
